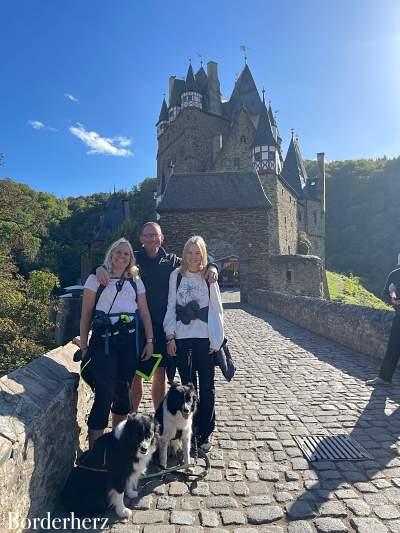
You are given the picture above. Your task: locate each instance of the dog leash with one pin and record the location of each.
(165, 471)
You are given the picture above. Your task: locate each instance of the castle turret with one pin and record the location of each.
(266, 158)
(191, 96)
(163, 119)
(213, 90)
(175, 89)
(293, 171)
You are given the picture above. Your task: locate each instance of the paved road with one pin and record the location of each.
(289, 382)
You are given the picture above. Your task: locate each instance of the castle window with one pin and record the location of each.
(288, 251)
(271, 156)
(315, 217)
(285, 220)
(290, 199)
(236, 162)
(299, 215)
(288, 275)
(243, 139)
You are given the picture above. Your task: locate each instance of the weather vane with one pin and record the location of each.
(244, 49)
(263, 93)
(200, 55)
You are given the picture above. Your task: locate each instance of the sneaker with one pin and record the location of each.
(376, 382)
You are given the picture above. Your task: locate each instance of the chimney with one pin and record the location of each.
(321, 177)
(171, 88)
(214, 90)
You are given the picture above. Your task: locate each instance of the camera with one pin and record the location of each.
(101, 322)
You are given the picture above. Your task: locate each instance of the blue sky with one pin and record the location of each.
(96, 71)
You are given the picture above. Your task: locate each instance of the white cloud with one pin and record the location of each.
(101, 145)
(121, 141)
(71, 97)
(38, 125)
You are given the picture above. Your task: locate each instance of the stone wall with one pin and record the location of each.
(227, 232)
(297, 274)
(362, 329)
(42, 425)
(188, 142)
(68, 319)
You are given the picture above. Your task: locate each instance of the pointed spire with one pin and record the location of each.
(191, 84)
(293, 170)
(164, 112)
(245, 92)
(264, 135)
(271, 115)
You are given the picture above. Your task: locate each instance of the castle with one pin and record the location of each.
(221, 174)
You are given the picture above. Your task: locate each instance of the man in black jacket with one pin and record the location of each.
(389, 363)
(155, 266)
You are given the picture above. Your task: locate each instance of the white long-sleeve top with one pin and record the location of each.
(194, 287)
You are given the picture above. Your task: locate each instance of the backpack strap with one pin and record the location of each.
(102, 287)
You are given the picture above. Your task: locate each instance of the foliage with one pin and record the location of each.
(362, 218)
(348, 289)
(26, 329)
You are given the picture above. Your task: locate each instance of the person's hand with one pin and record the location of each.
(171, 348)
(212, 350)
(102, 276)
(212, 275)
(147, 351)
(395, 301)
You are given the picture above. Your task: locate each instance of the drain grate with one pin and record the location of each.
(331, 448)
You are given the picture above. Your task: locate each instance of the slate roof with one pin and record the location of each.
(213, 190)
(202, 79)
(114, 215)
(271, 116)
(245, 93)
(293, 171)
(264, 135)
(191, 84)
(177, 90)
(163, 112)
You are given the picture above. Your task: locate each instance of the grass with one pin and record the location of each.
(348, 289)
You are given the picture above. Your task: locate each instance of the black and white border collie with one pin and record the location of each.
(175, 418)
(113, 467)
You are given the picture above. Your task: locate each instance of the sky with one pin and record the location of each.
(81, 82)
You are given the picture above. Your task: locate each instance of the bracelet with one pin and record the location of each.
(149, 341)
(170, 340)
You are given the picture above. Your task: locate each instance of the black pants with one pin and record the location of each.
(112, 374)
(392, 351)
(202, 377)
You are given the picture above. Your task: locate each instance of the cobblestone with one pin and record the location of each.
(288, 382)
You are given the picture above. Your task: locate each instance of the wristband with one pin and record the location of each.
(149, 341)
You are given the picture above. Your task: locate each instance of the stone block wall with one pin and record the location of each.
(362, 329)
(188, 142)
(68, 319)
(42, 425)
(227, 232)
(297, 274)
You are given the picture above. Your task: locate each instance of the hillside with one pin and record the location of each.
(349, 290)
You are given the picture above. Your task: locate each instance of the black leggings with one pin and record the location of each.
(392, 354)
(203, 367)
(113, 374)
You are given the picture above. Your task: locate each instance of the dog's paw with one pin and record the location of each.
(131, 494)
(124, 512)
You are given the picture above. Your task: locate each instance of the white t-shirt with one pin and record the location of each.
(125, 302)
(193, 287)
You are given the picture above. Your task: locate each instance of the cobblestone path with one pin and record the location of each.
(288, 382)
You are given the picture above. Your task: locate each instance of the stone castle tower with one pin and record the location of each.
(221, 173)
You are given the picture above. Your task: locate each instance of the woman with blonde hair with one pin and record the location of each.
(194, 328)
(110, 313)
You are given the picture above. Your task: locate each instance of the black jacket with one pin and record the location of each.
(155, 273)
(394, 279)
